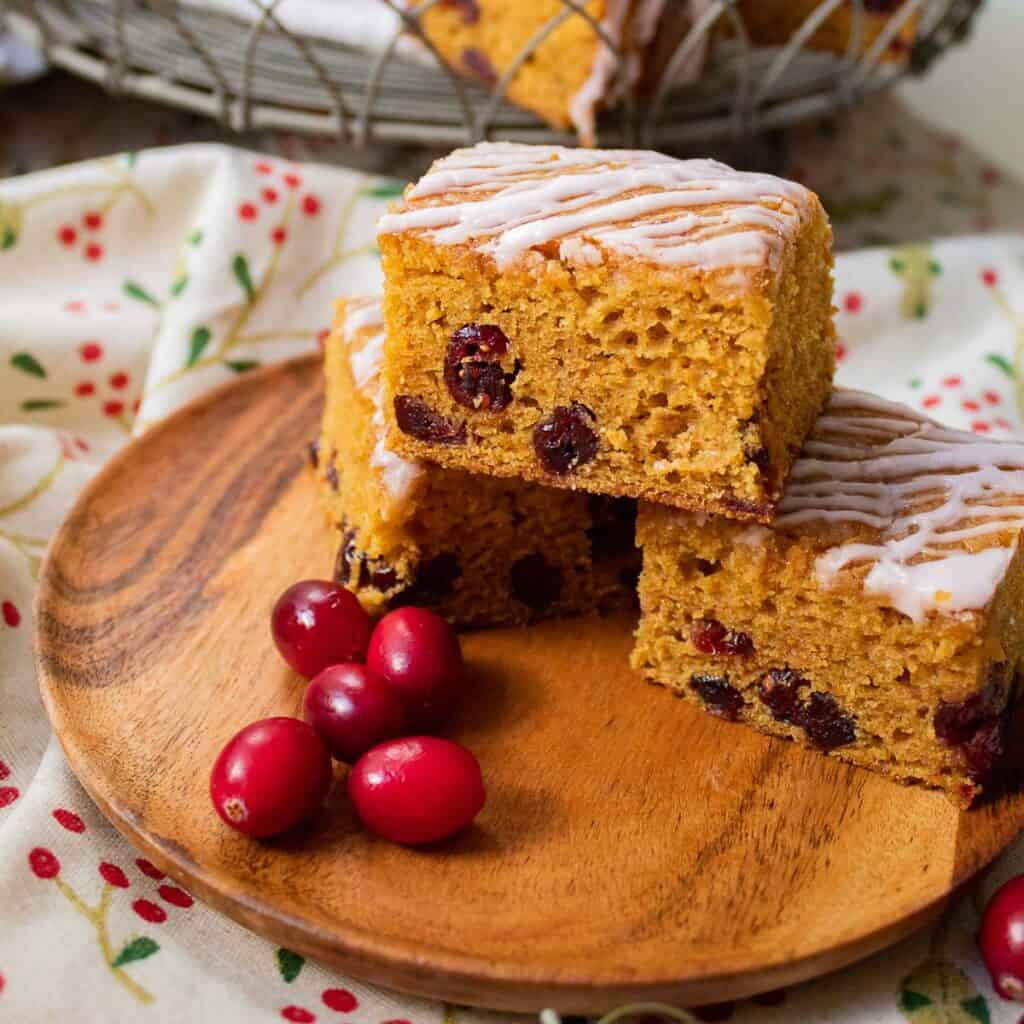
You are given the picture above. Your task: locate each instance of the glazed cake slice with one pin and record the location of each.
(878, 618)
(617, 321)
(478, 550)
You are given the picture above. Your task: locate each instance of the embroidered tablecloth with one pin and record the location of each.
(131, 283)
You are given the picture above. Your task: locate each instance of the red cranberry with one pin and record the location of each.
(316, 623)
(271, 775)
(719, 695)
(417, 790)
(469, 10)
(478, 63)
(566, 439)
(709, 636)
(473, 370)
(353, 709)
(1001, 939)
(780, 693)
(419, 655)
(826, 724)
(415, 418)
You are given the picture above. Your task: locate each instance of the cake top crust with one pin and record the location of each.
(928, 517)
(507, 199)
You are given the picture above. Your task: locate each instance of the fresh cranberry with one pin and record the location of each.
(317, 623)
(419, 655)
(566, 439)
(415, 418)
(719, 695)
(709, 636)
(417, 790)
(270, 776)
(353, 709)
(1001, 939)
(473, 370)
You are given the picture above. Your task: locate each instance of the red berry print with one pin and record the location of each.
(74, 306)
(8, 794)
(853, 302)
(297, 1015)
(149, 869)
(310, 205)
(90, 351)
(270, 195)
(81, 445)
(992, 397)
(67, 235)
(989, 278)
(175, 896)
(4, 770)
(339, 999)
(113, 408)
(292, 180)
(93, 252)
(263, 168)
(1001, 421)
(981, 427)
(43, 863)
(397, 1020)
(113, 875)
(149, 911)
(248, 211)
(69, 820)
(930, 401)
(279, 236)
(119, 380)
(93, 220)
(840, 352)
(2, 983)
(952, 382)
(85, 389)
(970, 405)
(11, 616)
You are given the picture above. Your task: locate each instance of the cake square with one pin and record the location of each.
(478, 550)
(621, 322)
(878, 618)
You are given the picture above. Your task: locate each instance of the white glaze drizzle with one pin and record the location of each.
(508, 198)
(925, 489)
(364, 321)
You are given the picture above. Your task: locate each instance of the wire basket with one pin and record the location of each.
(262, 75)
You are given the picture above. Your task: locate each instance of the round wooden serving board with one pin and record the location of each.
(631, 847)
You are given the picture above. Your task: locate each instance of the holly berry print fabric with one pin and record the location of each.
(134, 283)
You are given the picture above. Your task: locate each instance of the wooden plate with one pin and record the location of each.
(631, 848)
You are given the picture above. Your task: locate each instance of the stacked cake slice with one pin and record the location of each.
(566, 331)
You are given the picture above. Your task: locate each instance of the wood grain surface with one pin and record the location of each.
(631, 847)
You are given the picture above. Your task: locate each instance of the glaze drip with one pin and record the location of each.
(946, 508)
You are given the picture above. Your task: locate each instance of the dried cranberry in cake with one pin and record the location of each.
(955, 722)
(331, 474)
(984, 751)
(780, 693)
(612, 529)
(826, 724)
(469, 10)
(478, 63)
(417, 419)
(719, 695)
(472, 368)
(352, 566)
(709, 636)
(760, 458)
(536, 582)
(314, 453)
(566, 439)
(435, 579)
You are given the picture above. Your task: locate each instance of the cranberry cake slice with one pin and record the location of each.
(478, 550)
(620, 322)
(877, 619)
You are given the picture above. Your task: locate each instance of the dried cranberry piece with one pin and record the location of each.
(314, 453)
(352, 566)
(984, 750)
(719, 695)
(417, 419)
(566, 439)
(473, 370)
(762, 459)
(745, 509)
(331, 474)
(826, 724)
(536, 582)
(478, 63)
(469, 10)
(435, 579)
(709, 636)
(956, 721)
(780, 693)
(612, 529)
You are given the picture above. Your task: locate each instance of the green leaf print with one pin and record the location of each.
(289, 964)
(7, 238)
(137, 949)
(916, 265)
(180, 285)
(1001, 362)
(134, 290)
(195, 237)
(200, 339)
(10, 225)
(386, 189)
(241, 365)
(240, 265)
(939, 992)
(28, 364)
(41, 404)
